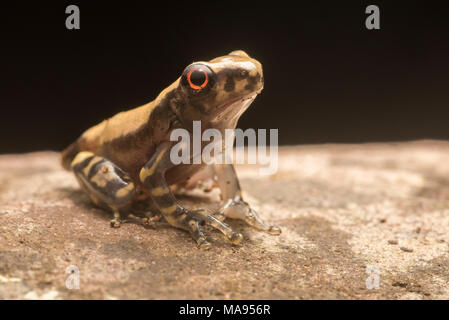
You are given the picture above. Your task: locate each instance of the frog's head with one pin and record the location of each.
(220, 90)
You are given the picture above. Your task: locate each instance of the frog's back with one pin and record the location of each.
(120, 131)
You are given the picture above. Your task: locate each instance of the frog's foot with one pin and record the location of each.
(149, 222)
(144, 219)
(116, 222)
(194, 220)
(145, 213)
(238, 209)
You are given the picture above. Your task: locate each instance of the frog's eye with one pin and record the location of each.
(197, 77)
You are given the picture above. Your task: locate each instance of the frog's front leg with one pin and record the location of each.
(152, 176)
(234, 206)
(106, 184)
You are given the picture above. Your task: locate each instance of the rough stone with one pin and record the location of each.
(337, 205)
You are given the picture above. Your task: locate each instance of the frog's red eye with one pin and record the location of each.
(197, 78)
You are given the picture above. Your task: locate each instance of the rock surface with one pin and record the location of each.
(345, 211)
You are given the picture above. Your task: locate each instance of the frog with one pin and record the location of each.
(124, 162)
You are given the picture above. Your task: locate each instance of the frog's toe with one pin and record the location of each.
(200, 217)
(274, 230)
(115, 223)
(198, 235)
(203, 244)
(253, 219)
(236, 238)
(150, 222)
(147, 223)
(239, 209)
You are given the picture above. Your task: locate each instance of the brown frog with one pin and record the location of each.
(125, 160)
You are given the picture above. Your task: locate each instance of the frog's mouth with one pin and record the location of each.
(238, 101)
(234, 108)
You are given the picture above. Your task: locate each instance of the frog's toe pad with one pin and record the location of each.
(236, 238)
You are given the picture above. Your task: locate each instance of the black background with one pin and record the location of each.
(327, 78)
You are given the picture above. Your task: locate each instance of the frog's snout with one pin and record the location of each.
(262, 83)
(255, 79)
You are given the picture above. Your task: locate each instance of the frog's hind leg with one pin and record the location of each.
(152, 176)
(106, 184)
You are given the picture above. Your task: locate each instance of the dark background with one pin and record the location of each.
(327, 78)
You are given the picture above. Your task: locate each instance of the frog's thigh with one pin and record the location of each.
(104, 182)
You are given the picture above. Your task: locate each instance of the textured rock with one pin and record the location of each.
(342, 208)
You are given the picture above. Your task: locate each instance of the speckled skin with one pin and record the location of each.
(125, 158)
